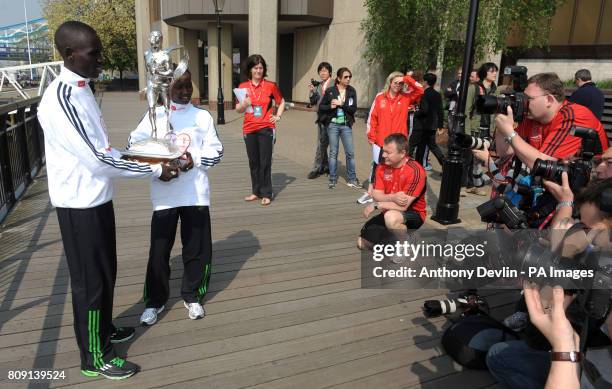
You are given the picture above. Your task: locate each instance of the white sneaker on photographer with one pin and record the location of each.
(195, 310)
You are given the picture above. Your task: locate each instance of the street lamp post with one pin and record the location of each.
(447, 210)
(220, 103)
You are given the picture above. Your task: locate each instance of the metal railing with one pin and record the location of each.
(45, 73)
(22, 151)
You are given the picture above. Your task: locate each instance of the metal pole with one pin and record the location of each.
(220, 102)
(25, 12)
(447, 210)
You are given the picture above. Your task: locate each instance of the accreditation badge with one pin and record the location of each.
(257, 111)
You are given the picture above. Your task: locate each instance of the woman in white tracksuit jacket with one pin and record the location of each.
(187, 197)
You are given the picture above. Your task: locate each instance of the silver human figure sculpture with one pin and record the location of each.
(160, 75)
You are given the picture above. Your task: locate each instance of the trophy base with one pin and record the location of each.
(149, 160)
(152, 151)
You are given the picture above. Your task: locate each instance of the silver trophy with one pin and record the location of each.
(160, 76)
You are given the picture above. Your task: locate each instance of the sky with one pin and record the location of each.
(13, 13)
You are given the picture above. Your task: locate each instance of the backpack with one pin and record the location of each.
(468, 340)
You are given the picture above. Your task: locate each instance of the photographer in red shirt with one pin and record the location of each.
(545, 133)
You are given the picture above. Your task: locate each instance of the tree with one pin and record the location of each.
(114, 20)
(413, 33)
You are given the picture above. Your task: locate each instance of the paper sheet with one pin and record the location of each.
(375, 153)
(241, 94)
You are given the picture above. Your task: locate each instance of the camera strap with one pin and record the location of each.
(518, 164)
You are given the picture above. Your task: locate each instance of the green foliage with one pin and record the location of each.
(114, 20)
(412, 33)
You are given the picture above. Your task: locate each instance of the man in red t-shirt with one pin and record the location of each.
(545, 133)
(399, 193)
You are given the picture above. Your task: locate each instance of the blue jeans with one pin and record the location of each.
(516, 365)
(336, 132)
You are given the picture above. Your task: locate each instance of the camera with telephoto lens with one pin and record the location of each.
(515, 99)
(578, 171)
(467, 304)
(472, 142)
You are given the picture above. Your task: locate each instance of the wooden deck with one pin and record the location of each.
(285, 307)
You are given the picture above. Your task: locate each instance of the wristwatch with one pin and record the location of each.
(508, 138)
(565, 204)
(572, 356)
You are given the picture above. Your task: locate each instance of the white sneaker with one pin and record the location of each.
(149, 316)
(195, 310)
(365, 198)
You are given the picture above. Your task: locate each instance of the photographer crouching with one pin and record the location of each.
(526, 363)
(399, 195)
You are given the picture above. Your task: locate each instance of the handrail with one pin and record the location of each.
(22, 151)
(10, 107)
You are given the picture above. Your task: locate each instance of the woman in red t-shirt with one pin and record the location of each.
(259, 125)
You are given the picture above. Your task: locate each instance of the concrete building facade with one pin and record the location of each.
(294, 36)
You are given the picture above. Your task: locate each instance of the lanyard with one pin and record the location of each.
(324, 86)
(258, 98)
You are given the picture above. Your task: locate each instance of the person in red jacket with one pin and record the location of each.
(259, 125)
(389, 115)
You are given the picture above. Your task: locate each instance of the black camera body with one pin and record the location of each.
(501, 210)
(314, 82)
(578, 171)
(516, 99)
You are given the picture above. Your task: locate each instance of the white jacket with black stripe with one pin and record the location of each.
(195, 131)
(81, 164)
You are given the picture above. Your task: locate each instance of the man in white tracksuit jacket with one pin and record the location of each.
(81, 166)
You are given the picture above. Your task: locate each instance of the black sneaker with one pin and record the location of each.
(122, 334)
(116, 369)
(313, 174)
(332, 184)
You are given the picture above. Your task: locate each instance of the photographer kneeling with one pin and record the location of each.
(526, 363)
(399, 193)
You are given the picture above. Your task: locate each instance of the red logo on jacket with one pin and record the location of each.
(81, 83)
